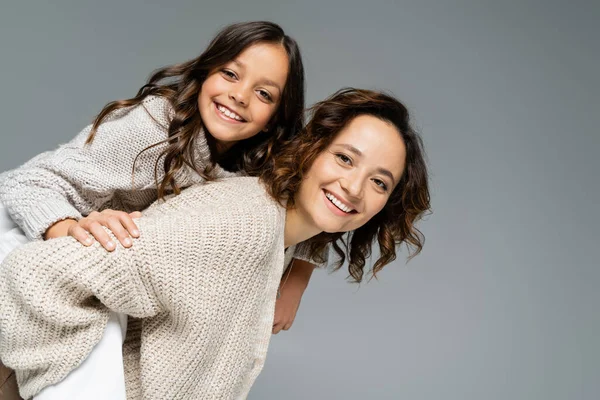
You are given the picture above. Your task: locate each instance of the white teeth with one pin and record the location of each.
(338, 203)
(228, 112)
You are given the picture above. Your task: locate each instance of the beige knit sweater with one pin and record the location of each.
(76, 179)
(203, 277)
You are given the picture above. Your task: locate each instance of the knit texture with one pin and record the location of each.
(203, 277)
(76, 179)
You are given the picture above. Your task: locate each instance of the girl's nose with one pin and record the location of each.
(239, 95)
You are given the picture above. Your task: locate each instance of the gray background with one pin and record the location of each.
(502, 303)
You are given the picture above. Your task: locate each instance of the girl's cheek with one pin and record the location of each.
(268, 111)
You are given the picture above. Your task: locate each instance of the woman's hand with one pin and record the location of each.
(292, 287)
(287, 306)
(89, 228)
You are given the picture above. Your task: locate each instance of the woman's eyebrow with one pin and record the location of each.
(387, 173)
(351, 148)
(359, 153)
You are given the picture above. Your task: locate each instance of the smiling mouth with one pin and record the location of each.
(229, 114)
(339, 204)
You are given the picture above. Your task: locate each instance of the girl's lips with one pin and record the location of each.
(225, 117)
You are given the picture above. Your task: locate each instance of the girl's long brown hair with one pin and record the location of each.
(409, 201)
(180, 84)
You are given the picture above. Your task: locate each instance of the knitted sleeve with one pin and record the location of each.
(55, 295)
(302, 252)
(50, 315)
(76, 179)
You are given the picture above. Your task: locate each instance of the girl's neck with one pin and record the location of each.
(298, 227)
(217, 147)
(222, 147)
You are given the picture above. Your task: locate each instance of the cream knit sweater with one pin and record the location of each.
(203, 277)
(76, 179)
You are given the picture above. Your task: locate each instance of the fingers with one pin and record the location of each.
(121, 225)
(276, 322)
(115, 225)
(279, 326)
(80, 234)
(98, 232)
(118, 222)
(130, 225)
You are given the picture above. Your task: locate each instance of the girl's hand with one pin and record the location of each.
(89, 228)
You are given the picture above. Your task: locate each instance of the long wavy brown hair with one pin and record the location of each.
(410, 200)
(181, 83)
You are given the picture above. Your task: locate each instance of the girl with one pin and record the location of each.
(204, 274)
(207, 118)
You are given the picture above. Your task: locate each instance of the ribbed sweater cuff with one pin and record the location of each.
(44, 215)
(302, 252)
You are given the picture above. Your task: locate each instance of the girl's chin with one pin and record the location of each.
(225, 137)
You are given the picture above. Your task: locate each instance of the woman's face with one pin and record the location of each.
(239, 99)
(353, 178)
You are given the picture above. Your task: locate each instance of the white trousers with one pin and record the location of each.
(100, 376)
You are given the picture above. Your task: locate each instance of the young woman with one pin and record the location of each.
(204, 273)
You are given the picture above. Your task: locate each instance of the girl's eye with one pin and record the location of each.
(229, 74)
(344, 158)
(266, 95)
(380, 183)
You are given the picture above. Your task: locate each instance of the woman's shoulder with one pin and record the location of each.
(231, 194)
(239, 206)
(242, 190)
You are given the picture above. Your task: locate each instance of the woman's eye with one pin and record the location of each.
(229, 73)
(380, 183)
(344, 158)
(264, 94)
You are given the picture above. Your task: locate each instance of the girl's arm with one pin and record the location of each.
(76, 178)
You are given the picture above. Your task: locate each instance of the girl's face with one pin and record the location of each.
(351, 181)
(238, 100)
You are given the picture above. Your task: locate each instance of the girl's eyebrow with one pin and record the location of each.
(359, 153)
(264, 81)
(238, 63)
(268, 82)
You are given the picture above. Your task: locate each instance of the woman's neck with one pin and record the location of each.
(298, 227)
